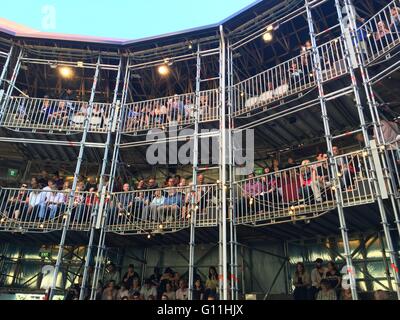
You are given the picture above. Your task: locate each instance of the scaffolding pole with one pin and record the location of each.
(11, 85)
(101, 186)
(195, 190)
(379, 136)
(67, 216)
(114, 164)
(223, 147)
(233, 229)
(334, 170)
(5, 66)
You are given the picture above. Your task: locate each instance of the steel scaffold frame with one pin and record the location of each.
(67, 216)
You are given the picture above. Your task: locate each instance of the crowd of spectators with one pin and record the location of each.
(169, 285)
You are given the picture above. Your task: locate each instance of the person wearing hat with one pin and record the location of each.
(317, 274)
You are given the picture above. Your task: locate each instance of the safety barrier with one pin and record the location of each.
(303, 192)
(28, 210)
(178, 110)
(49, 115)
(163, 210)
(380, 34)
(291, 77)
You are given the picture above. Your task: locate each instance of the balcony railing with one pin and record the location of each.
(48, 115)
(303, 192)
(163, 210)
(289, 78)
(178, 110)
(393, 162)
(26, 210)
(380, 34)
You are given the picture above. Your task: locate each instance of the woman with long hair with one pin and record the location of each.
(302, 282)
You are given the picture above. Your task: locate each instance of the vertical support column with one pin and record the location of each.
(350, 11)
(101, 186)
(339, 200)
(223, 147)
(231, 164)
(195, 190)
(67, 217)
(114, 163)
(11, 84)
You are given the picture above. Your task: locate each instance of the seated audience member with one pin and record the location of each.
(34, 199)
(182, 292)
(91, 184)
(141, 185)
(129, 276)
(152, 184)
(309, 183)
(135, 296)
(198, 290)
(17, 204)
(326, 292)
(123, 293)
(148, 290)
(382, 31)
(55, 202)
(136, 287)
(302, 282)
(334, 277)
(169, 293)
(111, 274)
(124, 202)
(165, 297)
(155, 278)
(252, 194)
(151, 208)
(110, 292)
(172, 205)
(317, 274)
(46, 111)
(346, 295)
(212, 296)
(44, 197)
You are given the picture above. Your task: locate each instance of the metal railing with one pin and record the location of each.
(289, 78)
(177, 110)
(27, 210)
(392, 153)
(163, 210)
(49, 115)
(303, 192)
(381, 33)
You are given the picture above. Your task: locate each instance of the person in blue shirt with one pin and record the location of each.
(173, 201)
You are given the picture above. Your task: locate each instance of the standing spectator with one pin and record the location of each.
(212, 282)
(148, 290)
(182, 292)
(155, 279)
(301, 281)
(326, 292)
(317, 274)
(43, 179)
(135, 288)
(333, 277)
(198, 290)
(129, 276)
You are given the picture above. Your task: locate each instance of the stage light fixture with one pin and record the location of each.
(268, 36)
(66, 72)
(164, 70)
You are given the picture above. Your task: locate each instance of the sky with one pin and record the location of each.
(123, 19)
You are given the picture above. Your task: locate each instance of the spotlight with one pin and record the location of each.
(164, 70)
(190, 46)
(2, 220)
(160, 227)
(270, 28)
(41, 226)
(149, 236)
(66, 72)
(188, 216)
(268, 37)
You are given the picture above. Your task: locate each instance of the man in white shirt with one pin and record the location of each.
(317, 274)
(148, 290)
(34, 197)
(44, 196)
